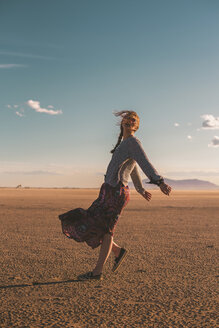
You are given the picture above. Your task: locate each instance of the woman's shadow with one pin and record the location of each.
(35, 283)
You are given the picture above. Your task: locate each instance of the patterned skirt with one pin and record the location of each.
(100, 218)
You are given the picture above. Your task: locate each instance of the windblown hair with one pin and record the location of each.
(122, 114)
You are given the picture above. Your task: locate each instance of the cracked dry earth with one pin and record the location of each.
(168, 279)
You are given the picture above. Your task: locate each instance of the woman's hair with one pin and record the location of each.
(119, 139)
(127, 114)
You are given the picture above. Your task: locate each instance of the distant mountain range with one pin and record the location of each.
(187, 184)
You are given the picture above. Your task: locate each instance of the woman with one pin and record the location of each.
(96, 225)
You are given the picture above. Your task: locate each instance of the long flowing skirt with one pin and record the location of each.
(100, 218)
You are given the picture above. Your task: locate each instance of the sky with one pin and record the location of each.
(67, 65)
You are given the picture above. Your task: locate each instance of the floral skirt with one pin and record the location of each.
(100, 218)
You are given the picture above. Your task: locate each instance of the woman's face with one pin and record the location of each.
(130, 123)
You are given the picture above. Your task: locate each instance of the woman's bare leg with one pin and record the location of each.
(116, 249)
(105, 250)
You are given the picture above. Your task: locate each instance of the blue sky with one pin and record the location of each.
(65, 66)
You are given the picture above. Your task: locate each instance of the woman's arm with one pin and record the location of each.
(136, 179)
(137, 153)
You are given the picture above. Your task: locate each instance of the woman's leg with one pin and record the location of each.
(105, 250)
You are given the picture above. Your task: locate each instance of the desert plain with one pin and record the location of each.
(168, 279)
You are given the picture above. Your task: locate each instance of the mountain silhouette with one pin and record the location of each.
(186, 184)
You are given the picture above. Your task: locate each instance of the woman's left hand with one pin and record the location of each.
(147, 195)
(165, 188)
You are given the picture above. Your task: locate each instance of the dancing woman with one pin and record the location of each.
(96, 225)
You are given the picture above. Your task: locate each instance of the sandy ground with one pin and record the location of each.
(168, 279)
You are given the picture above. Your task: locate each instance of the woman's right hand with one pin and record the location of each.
(147, 195)
(165, 188)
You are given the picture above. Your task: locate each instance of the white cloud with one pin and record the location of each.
(193, 174)
(8, 66)
(189, 137)
(36, 106)
(210, 122)
(12, 106)
(25, 55)
(28, 168)
(176, 124)
(19, 114)
(214, 142)
(38, 172)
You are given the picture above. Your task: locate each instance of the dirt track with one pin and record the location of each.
(168, 279)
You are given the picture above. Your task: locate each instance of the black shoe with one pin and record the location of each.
(119, 259)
